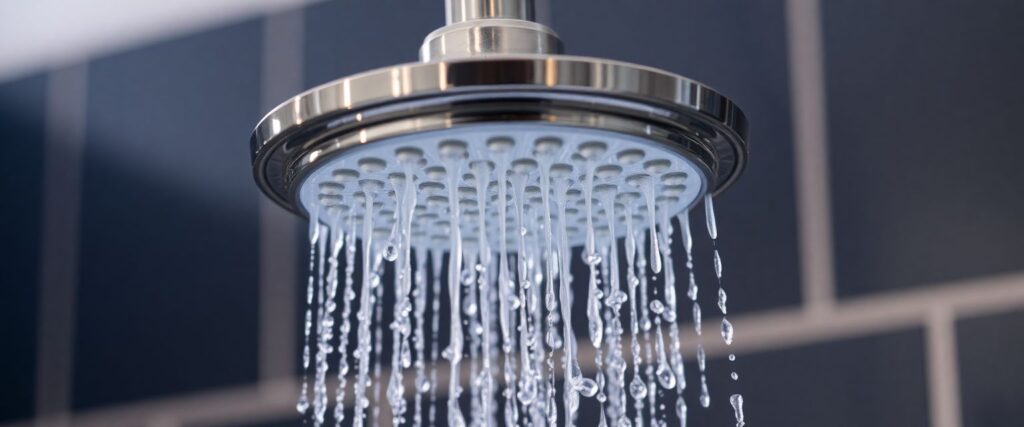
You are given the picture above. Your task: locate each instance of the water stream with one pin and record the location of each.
(495, 238)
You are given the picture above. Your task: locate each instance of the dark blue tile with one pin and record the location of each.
(22, 119)
(924, 100)
(169, 231)
(740, 49)
(870, 381)
(876, 380)
(991, 359)
(347, 37)
(284, 422)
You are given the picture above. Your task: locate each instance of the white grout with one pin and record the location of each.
(943, 374)
(66, 93)
(281, 78)
(807, 84)
(860, 316)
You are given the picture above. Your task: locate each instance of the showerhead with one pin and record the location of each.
(502, 153)
(493, 74)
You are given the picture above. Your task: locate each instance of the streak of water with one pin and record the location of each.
(510, 306)
(592, 259)
(546, 151)
(697, 327)
(637, 389)
(482, 171)
(435, 328)
(678, 368)
(666, 377)
(737, 406)
(727, 329)
(348, 295)
(378, 324)
(647, 187)
(616, 297)
(405, 190)
(705, 397)
(528, 385)
(453, 165)
(314, 233)
(470, 311)
(420, 296)
(319, 385)
(646, 325)
(363, 342)
(506, 286)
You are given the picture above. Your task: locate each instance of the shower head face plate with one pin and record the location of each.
(576, 99)
(465, 164)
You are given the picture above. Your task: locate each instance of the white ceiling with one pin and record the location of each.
(37, 35)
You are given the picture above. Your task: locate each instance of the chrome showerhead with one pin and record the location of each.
(504, 154)
(492, 73)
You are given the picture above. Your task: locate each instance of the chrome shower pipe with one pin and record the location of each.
(466, 10)
(489, 28)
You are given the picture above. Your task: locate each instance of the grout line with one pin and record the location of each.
(281, 78)
(943, 373)
(66, 93)
(866, 315)
(807, 83)
(763, 331)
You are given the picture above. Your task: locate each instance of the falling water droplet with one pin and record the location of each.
(718, 264)
(696, 318)
(727, 331)
(657, 307)
(655, 247)
(525, 297)
(666, 378)
(587, 387)
(528, 392)
(681, 411)
(734, 376)
(637, 388)
(709, 214)
(737, 406)
(390, 252)
(705, 397)
(722, 299)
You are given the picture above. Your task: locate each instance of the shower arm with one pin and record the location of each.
(466, 10)
(478, 28)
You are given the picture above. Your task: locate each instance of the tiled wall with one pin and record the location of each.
(167, 289)
(922, 164)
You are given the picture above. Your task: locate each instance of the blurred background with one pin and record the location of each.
(874, 248)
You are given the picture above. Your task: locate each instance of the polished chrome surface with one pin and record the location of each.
(489, 37)
(555, 90)
(465, 10)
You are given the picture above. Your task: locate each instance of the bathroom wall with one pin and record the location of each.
(874, 249)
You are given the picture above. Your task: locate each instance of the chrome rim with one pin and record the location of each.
(685, 115)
